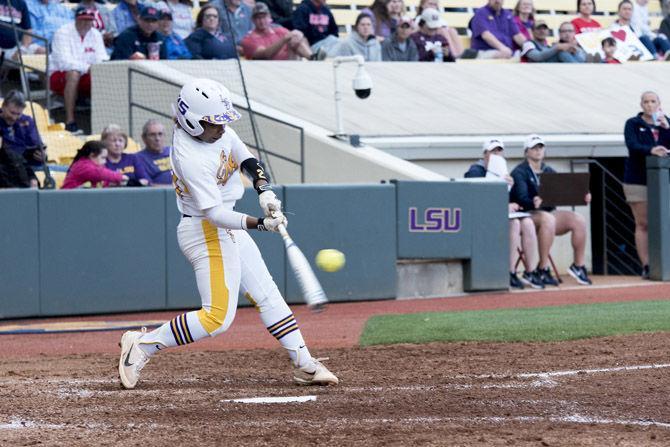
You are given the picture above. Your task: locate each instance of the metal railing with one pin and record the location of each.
(256, 144)
(617, 222)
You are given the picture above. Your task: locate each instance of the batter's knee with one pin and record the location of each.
(266, 298)
(213, 322)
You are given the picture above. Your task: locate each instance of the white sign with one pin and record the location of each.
(627, 43)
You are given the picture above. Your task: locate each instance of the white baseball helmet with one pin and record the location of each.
(203, 100)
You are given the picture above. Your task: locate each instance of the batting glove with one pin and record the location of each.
(269, 202)
(271, 223)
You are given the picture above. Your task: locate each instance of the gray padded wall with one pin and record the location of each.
(19, 260)
(102, 251)
(357, 220)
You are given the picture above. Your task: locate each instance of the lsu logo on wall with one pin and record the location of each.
(435, 220)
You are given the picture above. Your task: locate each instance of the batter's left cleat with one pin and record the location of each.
(315, 374)
(132, 358)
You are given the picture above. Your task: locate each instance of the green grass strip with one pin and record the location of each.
(516, 325)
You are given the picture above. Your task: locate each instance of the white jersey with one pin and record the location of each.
(206, 175)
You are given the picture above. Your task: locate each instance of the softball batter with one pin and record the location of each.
(206, 161)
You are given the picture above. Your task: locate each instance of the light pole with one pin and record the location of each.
(362, 85)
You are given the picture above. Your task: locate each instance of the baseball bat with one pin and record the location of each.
(311, 289)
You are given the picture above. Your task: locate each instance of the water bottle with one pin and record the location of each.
(439, 54)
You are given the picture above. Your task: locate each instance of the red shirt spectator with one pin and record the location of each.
(584, 23)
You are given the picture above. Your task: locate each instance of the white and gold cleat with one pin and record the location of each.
(132, 358)
(314, 374)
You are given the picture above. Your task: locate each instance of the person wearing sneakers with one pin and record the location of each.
(521, 227)
(549, 222)
(207, 158)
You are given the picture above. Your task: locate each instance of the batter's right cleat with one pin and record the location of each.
(315, 374)
(132, 358)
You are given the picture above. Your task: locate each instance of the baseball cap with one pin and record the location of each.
(431, 18)
(150, 13)
(533, 140)
(84, 13)
(259, 9)
(540, 24)
(493, 143)
(166, 15)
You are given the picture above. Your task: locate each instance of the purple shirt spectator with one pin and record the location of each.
(502, 26)
(157, 165)
(129, 165)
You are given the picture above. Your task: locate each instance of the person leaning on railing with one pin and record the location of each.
(647, 133)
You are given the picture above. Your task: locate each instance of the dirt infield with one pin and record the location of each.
(62, 389)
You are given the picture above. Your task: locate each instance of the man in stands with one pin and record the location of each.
(126, 14)
(494, 31)
(575, 54)
(429, 42)
(549, 221)
(235, 18)
(399, 47)
(539, 50)
(19, 15)
(76, 46)
(141, 41)
(273, 42)
(19, 131)
(155, 156)
(316, 21)
(46, 17)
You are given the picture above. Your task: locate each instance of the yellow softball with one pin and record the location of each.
(330, 260)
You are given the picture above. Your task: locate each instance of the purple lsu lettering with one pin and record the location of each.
(435, 220)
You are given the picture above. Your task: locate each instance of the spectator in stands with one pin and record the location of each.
(521, 228)
(266, 41)
(156, 155)
(524, 17)
(361, 41)
(449, 33)
(141, 41)
(575, 54)
(14, 172)
(207, 41)
(20, 16)
(234, 19)
(429, 42)
(665, 27)
(88, 169)
(647, 133)
(399, 47)
(494, 31)
(103, 22)
(584, 23)
(126, 14)
(384, 15)
(182, 16)
(549, 222)
(18, 130)
(281, 12)
(130, 165)
(609, 48)
(175, 47)
(640, 23)
(645, 35)
(47, 16)
(539, 50)
(76, 46)
(316, 21)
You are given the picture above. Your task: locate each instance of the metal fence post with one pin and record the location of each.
(658, 217)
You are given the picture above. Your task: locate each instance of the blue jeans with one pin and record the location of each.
(657, 44)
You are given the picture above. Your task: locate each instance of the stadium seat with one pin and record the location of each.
(59, 176)
(567, 6)
(62, 146)
(457, 19)
(42, 118)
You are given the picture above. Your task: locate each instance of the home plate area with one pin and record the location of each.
(605, 391)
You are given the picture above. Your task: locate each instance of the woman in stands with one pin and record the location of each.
(524, 17)
(88, 168)
(115, 142)
(361, 41)
(449, 33)
(385, 15)
(207, 41)
(647, 133)
(584, 23)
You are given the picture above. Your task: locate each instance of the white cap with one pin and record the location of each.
(432, 19)
(493, 143)
(533, 140)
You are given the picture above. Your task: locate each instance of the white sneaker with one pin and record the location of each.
(132, 358)
(315, 374)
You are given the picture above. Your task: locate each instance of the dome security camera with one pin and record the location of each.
(362, 83)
